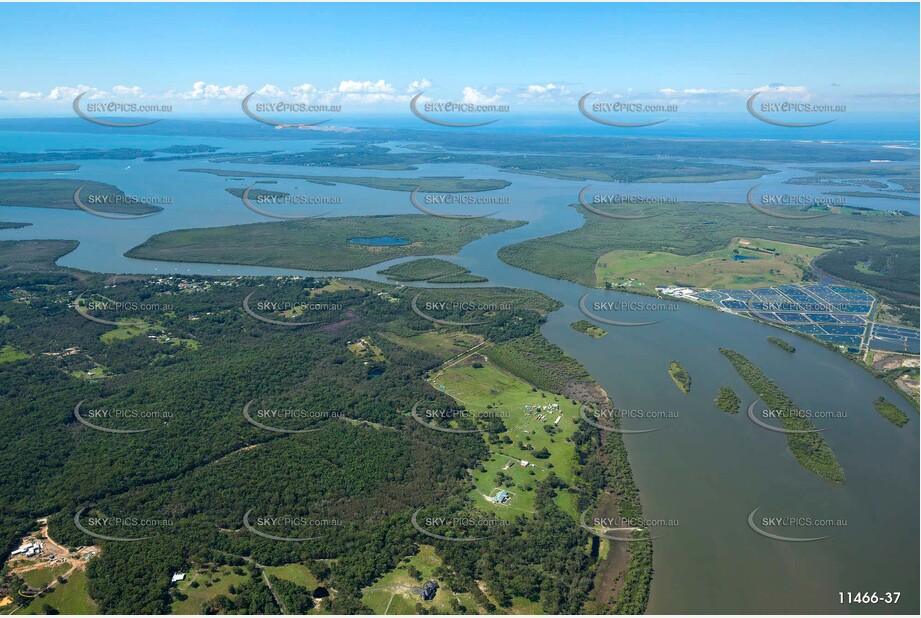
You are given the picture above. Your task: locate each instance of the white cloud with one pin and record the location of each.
(271, 90)
(132, 91)
(417, 85)
(204, 91)
(352, 87)
(27, 96)
(473, 96)
(546, 93)
(69, 93)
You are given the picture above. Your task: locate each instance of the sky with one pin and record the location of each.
(204, 58)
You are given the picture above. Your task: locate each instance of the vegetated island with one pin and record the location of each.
(332, 244)
(36, 256)
(783, 345)
(810, 449)
(587, 328)
(433, 270)
(727, 400)
(442, 184)
(890, 412)
(680, 375)
(9, 225)
(59, 193)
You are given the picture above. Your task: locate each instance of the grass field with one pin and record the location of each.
(318, 244)
(40, 578)
(440, 343)
(392, 594)
(71, 598)
(210, 585)
(296, 574)
(742, 264)
(9, 354)
(477, 388)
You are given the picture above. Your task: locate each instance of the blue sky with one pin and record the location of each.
(531, 56)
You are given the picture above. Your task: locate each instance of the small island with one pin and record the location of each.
(680, 375)
(890, 412)
(807, 445)
(783, 345)
(727, 400)
(433, 270)
(587, 328)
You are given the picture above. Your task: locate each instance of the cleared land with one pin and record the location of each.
(743, 263)
(393, 593)
(200, 587)
(70, 598)
(534, 436)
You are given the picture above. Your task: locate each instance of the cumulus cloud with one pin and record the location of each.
(128, 91)
(417, 85)
(546, 93)
(202, 91)
(473, 96)
(271, 90)
(367, 87)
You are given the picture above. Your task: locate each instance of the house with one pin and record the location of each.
(501, 497)
(429, 590)
(177, 577)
